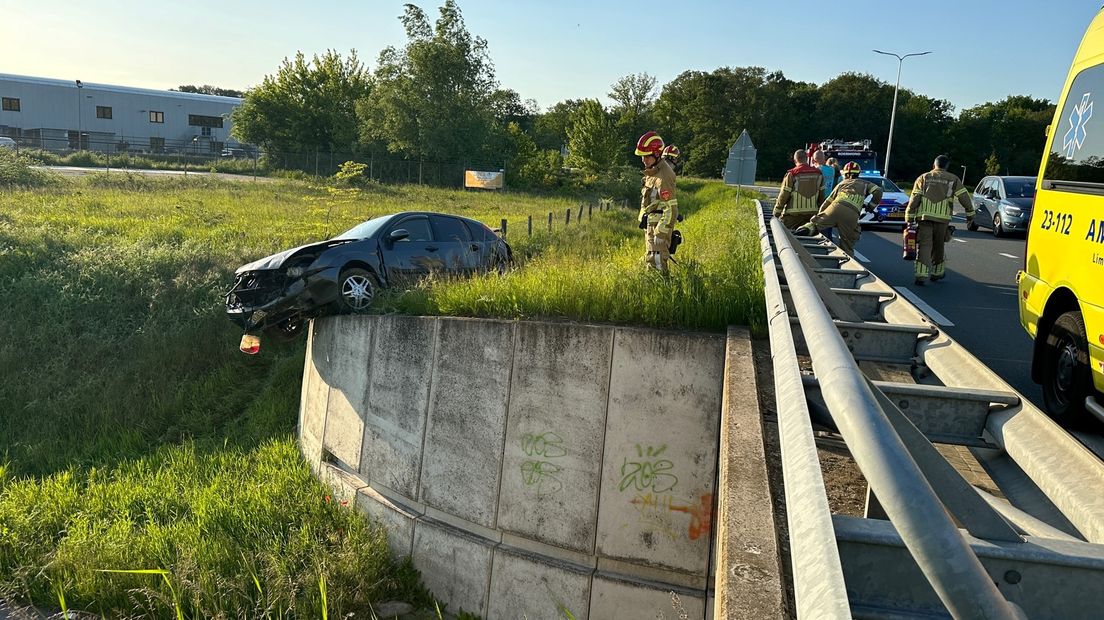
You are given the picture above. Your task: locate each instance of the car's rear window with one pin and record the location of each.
(480, 232)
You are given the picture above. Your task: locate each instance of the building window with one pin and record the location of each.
(11, 104)
(103, 111)
(157, 117)
(195, 120)
(205, 131)
(157, 145)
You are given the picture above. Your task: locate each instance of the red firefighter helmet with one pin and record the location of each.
(671, 152)
(649, 144)
(851, 169)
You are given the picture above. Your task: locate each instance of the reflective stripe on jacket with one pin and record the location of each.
(934, 195)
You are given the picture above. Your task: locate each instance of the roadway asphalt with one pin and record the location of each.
(976, 303)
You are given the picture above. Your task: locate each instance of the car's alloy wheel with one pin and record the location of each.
(358, 289)
(1066, 375)
(998, 226)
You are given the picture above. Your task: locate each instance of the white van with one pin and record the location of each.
(7, 143)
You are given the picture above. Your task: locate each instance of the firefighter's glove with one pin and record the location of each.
(969, 221)
(806, 229)
(643, 221)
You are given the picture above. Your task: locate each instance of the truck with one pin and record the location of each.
(858, 151)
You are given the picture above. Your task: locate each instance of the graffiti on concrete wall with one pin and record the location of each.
(540, 469)
(656, 511)
(650, 477)
(648, 472)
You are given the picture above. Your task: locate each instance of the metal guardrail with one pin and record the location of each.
(949, 547)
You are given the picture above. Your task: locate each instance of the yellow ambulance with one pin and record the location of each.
(1061, 289)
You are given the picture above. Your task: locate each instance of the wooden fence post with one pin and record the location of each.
(503, 227)
(567, 221)
(590, 211)
(530, 225)
(580, 220)
(549, 221)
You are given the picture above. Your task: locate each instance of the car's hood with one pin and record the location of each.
(277, 260)
(1023, 203)
(898, 197)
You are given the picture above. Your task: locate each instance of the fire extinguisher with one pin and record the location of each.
(908, 242)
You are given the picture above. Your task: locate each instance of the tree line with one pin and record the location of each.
(437, 99)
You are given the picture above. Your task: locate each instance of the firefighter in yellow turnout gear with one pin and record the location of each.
(930, 208)
(801, 194)
(841, 210)
(658, 205)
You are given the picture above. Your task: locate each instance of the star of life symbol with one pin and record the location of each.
(1078, 118)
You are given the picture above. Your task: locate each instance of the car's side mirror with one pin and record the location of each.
(398, 234)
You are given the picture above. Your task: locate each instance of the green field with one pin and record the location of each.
(134, 436)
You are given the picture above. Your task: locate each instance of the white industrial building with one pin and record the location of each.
(51, 114)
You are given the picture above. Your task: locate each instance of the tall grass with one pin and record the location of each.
(134, 437)
(596, 273)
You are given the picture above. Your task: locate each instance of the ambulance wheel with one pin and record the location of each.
(1067, 378)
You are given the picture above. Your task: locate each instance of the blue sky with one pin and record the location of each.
(983, 50)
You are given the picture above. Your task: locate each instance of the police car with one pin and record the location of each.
(891, 210)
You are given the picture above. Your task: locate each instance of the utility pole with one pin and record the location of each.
(893, 112)
(80, 143)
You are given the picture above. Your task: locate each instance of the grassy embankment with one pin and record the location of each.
(134, 436)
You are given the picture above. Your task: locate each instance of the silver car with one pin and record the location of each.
(1004, 204)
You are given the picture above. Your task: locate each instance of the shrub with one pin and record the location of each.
(16, 170)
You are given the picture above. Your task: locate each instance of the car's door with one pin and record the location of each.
(982, 202)
(413, 256)
(459, 253)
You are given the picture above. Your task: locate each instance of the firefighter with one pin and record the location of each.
(673, 155)
(842, 208)
(658, 205)
(801, 194)
(930, 208)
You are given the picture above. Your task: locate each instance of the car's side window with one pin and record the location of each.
(998, 189)
(450, 229)
(980, 191)
(418, 227)
(1076, 160)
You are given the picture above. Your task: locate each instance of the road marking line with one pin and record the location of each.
(924, 307)
(1008, 255)
(958, 240)
(861, 258)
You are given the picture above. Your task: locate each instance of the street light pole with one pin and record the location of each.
(893, 112)
(964, 175)
(79, 128)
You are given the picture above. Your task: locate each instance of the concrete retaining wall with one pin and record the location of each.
(528, 468)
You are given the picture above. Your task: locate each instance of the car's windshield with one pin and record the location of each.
(1019, 188)
(884, 183)
(364, 229)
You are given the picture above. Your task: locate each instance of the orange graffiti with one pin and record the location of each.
(701, 515)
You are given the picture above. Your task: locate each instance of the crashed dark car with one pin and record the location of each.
(279, 293)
